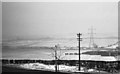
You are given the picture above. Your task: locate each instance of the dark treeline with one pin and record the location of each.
(111, 66)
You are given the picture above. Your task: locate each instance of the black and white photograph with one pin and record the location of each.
(60, 36)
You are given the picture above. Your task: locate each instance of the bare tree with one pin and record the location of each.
(57, 56)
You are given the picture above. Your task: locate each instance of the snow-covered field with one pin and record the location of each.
(62, 68)
(40, 66)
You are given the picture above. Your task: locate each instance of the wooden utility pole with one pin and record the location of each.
(79, 39)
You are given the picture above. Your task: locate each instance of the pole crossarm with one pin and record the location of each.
(80, 39)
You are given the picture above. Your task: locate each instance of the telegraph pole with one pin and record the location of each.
(79, 39)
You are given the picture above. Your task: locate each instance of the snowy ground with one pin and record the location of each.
(40, 66)
(62, 68)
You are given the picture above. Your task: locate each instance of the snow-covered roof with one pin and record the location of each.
(113, 45)
(72, 55)
(91, 57)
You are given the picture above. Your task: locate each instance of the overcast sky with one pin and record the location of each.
(35, 19)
